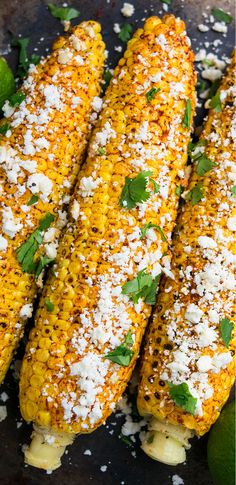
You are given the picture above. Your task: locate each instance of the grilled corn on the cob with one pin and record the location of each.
(188, 365)
(81, 354)
(47, 124)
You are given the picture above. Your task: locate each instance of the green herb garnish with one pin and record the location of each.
(16, 99)
(214, 87)
(150, 439)
(215, 103)
(49, 305)
(187, 114)
(168, 2)
(33, 199)
(226, 329)
(204, 165)
(122, 354)
(233, 190)
(193, 146)
(24, 60)
(101, 151)
(63, 13)
(221, 16)
(126, 440)
(201, 85)
(26, 252)
(182, 397)
(135, 190)
(179, 190)
(107, 78)
(150, 225)
(195, 194)
(152, 93)
(143, 286)
(4, 128)
(125, 32)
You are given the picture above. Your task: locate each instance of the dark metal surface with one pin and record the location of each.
(31, 19)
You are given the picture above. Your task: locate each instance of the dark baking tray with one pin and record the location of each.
(31, 19)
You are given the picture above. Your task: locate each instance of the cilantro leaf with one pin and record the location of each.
(24, 60)
(107, 78)
(101, 151)
(168, 2)
(201, 85)
(214, 87)
(196, 194)
(150, 225)
(204, 165)
(215, 103)
(179, 190)
(16, 99)
(221, 15)
(156, 186)
(125, 32)
(122, 354)
(182, 397)
(134, 190)
(33, 199)
(152, 93)
(46, 222)
(49, 305)
(226, 329)
(192, 147)
(63, 13)
(4, 128)
(233, 190)
(40, 265)
(26, 252)
(187, 114)
(126, 440)
(143, 286)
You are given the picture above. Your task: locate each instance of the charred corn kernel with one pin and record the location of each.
(106, 249)
(188, 364)
(39, 160)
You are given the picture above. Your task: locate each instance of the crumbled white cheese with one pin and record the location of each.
(203, 28)
(64, 55)
(75, 209)
(39, 183)
(3, 243)
(193, 313)
(3, 413)
(26, 311)
(10, 225)
(220, 27)
(127, 9)
(231, 223)
(204, 363)
(97, 104)
(207, 242)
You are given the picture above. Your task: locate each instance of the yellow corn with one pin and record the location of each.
(67, 384)
(186, 343)
(40, 156)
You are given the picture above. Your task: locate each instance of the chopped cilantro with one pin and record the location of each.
(156, 186)
(204, 165)
(226, 329)
(214, 87)
(233, 190)
(4, 128)
(16, 99)
(145, 228)
(215, 102)
(125, 32)
(195, 194)
(122, 354)
(182, 397)
(134, 190)
(168, 2)
(107, 78)
(143, 286)
(221, 15)
(26, 252)
(126, 440)
(33, 199)
(63, 13)
(152, 93)
(101, 151)
(179, 190)
(192, 147)
(24, 60)
(49, 305)
(201, 85)
(187, 114)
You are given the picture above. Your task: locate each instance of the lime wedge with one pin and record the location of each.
(7, 84)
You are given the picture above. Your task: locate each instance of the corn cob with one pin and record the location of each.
(40, 155)
(188, 365)
(81, 354)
